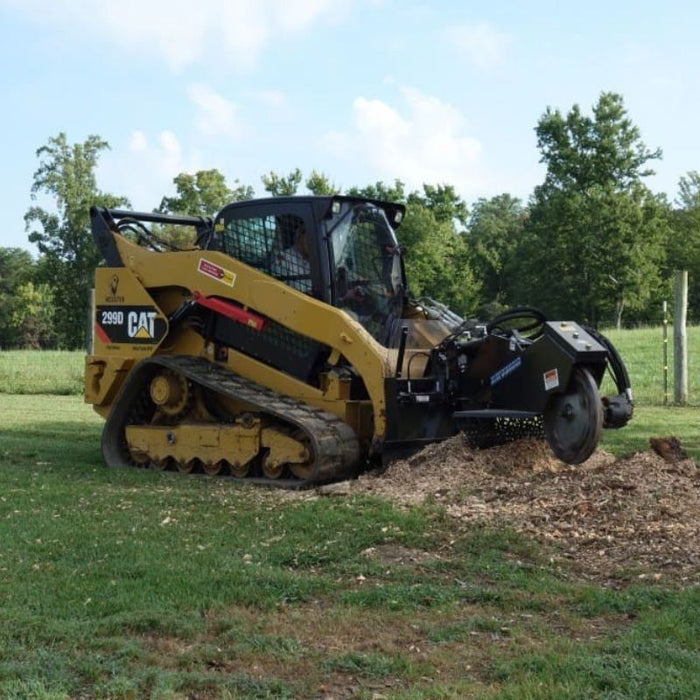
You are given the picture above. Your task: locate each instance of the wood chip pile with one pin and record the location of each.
(633, 517)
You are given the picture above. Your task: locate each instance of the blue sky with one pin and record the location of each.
(361, 90)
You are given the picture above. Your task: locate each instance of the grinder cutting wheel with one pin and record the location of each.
(573, 420)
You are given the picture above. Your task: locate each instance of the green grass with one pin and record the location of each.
(656, 421)
(41, 372)
(642, 351)
(61, 372)
(134, 583)
(126, 584)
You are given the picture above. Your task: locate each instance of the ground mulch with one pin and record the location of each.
(634, 517)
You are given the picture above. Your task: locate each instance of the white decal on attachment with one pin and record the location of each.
(551, 379)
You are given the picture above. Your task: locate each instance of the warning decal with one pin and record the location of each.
(551, 379)
(216, 272)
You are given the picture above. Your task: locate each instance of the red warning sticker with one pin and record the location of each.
(551, 379)
(210, 269)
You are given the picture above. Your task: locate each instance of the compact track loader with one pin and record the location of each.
(280, 345)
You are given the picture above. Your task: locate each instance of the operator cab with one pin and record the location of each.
(340, 250)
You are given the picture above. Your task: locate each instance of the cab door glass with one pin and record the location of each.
(367, 269)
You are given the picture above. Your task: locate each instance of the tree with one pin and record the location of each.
(443, 201)
(279, 186)
(31, 311)
(319, 184)
(593, 244)
(435, 253)
(684, 241)
(382, 191)
(203, 194)
(437, 260)
(16, 269)
(66, 174)
(493, 233)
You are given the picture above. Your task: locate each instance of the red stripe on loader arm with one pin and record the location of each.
(235, 313)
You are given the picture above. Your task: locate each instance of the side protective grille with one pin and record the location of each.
(275, 245)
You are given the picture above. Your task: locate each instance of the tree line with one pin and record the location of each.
(593, 243)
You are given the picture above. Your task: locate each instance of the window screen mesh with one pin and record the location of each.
(276, 245)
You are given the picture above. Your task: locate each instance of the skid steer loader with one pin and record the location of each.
(280, 345)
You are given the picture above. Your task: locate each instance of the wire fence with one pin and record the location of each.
(651, 373)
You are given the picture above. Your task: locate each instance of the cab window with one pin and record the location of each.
(276, 245)
(368, 278)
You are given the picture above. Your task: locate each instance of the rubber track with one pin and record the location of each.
(333, 441)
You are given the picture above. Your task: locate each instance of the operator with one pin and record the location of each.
(292, 264)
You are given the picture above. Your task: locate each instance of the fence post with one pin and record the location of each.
(90, 336)
(680, 340)
(665, 350)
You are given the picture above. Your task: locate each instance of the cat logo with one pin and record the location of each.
(140, 324)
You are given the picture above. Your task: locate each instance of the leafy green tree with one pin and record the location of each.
(279, 186)
(203, 194)
(435, 253)
(443, 201)
(594, 242)
(437, 260)
(684, 241)
(66, 176)
(16, 268)
(382, 191)
(31, 311)
(319, 184)
(493, 233)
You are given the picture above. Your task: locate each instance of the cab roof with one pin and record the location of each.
(323, 205)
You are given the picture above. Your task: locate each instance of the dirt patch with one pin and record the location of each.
(344, 653)
(633, 517)
(393, 554)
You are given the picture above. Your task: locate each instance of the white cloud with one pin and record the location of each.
(480, 44)
(297, 15)
(276, 99)
(217, 116)
(143, 169)
(168, 156)
(181, 33)
(138, 142)
(422, 141)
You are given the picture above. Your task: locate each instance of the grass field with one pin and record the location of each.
(139, 584)
(41, 372)
(61, 372)
(642, 351)
(131, 584)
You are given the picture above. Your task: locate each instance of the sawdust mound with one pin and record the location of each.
(633, 517)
